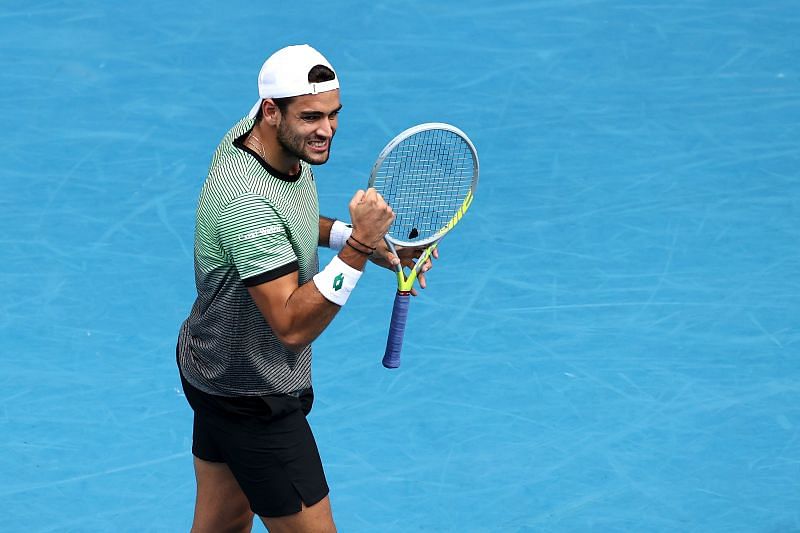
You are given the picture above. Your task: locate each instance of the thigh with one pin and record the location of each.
(317, 518)
(221, 505)
(272, 458)
(276, 463)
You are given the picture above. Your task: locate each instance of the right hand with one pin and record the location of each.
(370, 216)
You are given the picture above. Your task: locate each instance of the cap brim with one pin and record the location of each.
(254, 111)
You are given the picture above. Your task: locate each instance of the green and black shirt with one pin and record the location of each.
(253, 225)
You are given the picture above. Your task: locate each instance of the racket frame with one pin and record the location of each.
(405, 283)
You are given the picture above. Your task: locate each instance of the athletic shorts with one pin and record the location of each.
(266, 442)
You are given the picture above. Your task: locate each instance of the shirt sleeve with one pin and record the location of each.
(256, 238)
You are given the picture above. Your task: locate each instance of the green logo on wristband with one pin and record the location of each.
(338, 281)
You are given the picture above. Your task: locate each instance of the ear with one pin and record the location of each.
(270, 111)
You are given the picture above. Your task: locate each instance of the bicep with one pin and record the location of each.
(296, 314)
(272, 297)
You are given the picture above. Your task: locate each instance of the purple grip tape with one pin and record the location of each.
(391, 359)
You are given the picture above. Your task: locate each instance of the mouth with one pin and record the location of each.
(318, 146)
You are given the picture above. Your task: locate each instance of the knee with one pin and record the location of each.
(240, 521)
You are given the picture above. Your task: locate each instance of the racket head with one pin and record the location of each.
(428, 175)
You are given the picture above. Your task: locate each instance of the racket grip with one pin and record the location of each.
(394, 343)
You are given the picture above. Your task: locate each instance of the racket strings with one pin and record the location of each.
(425, 179)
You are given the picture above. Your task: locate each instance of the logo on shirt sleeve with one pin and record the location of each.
(260, 232)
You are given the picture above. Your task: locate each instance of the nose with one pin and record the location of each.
(326, 127)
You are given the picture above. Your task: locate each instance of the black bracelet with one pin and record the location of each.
(347, 242)
(362, 244)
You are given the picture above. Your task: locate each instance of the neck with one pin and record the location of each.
(271, 150)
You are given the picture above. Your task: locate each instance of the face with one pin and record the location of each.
(307, 128)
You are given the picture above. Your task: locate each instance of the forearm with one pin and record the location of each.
(333, 233)
(306, 315)
(304, 312)
(325, 225)
(298, 314)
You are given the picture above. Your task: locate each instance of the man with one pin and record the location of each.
(244, 352)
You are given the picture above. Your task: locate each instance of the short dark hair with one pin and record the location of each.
(317, 74)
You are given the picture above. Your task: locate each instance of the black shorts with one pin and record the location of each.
(266, 442)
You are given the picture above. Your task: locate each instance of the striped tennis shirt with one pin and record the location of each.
(253, 225)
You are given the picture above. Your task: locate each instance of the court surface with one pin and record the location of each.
(610, 342)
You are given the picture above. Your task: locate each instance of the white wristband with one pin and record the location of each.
(337, 281)
(340, 232)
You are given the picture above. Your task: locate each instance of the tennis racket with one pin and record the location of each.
(428, 175)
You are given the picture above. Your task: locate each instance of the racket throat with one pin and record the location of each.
(405, 283)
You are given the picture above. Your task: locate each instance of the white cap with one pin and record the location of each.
(285, 74)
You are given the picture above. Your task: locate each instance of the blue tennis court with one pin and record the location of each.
(610, 341)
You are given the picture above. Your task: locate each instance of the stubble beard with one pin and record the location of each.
(294, 144)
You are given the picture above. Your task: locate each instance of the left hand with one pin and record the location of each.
(407, 258)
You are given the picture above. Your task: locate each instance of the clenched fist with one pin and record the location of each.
(371, 217)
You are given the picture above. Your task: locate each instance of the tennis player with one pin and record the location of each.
(244, 352)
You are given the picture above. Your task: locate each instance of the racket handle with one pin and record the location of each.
(394, 343)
